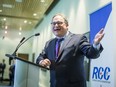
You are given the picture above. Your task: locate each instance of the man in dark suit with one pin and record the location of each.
(66, 67)
(3, 69)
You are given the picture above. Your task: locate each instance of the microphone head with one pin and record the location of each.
(22, 39)
(37, 34)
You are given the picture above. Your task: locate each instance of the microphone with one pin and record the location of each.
(14, 53)
(22, 41)
(37, 34)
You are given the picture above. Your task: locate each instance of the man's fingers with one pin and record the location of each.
(46, 62)
(101, 31)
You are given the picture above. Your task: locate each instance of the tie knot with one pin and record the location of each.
(59, 40)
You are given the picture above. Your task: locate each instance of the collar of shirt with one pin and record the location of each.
(64, 35)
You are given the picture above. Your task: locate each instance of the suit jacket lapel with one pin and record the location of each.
(51, 48)
(54, 54)
(66, 41)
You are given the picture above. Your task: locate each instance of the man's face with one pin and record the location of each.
(59, 27)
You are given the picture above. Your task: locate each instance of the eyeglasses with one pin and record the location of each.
(58, 23)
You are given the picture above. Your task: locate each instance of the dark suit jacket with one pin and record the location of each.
(68, 69)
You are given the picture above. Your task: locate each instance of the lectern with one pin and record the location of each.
(29, 74)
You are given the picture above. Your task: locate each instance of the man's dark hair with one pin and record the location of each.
(65, 19)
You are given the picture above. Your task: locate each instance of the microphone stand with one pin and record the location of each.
(21, 42)
(28, 39)
(14, 53)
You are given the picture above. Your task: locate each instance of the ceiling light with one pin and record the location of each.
(7, 5)
(20, 28)
(30, 22)
(34, 14)
(25, 21)
(5, 32)
(0, 10)
(18, 0)
(6, 27)
(42, 1)
(4, 19)
(20, 33)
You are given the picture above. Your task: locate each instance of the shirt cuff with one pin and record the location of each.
(96, 46)
(40, 62)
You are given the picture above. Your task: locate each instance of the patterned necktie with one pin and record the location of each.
(58, 42)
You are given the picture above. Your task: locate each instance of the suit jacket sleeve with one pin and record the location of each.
(88, 49)
(42, 55)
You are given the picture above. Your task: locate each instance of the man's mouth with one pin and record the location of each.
(56, 29)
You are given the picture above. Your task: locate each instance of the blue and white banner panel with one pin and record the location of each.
(102, 68)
